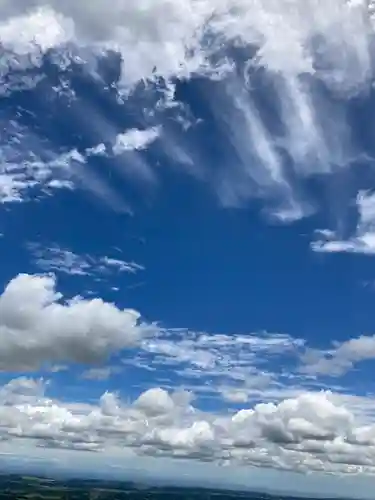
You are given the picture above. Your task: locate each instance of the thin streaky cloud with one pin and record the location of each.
(62, 260)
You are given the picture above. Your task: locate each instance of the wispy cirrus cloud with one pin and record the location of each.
(237, 369)
(290, 48)
(61, 260)
(233, 367)
(23, 171)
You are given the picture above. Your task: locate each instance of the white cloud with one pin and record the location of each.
(340, 358)
(217, 350)
(162, 40)
(17, 178)
(11, 187)
(48, 170)
(363, 240)
(37, 327)
(302, 431)
(99, 150)
(121, 265)
(135, 139)
(100, 373)
(61, 260)
(307, 433)
(55, 259)
(40, 29)
(230, 367)
(130, 142)
(166, 38)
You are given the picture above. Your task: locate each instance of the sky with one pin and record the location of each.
(187, 240)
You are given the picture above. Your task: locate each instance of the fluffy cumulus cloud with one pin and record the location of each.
(37, 326)
(159, 42)
(309, 433)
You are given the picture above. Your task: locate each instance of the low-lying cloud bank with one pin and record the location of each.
(312, 432)
(303, 431)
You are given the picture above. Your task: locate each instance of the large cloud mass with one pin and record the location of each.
(170, 36)
(311, 432)
(301, 45)
(36, 327)
(307, 431)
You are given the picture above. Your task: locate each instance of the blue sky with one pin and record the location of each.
(187, 232)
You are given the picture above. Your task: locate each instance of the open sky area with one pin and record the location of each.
(187, 240)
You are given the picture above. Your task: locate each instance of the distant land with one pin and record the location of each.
(23, 487)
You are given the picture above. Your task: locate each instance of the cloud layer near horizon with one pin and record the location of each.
(294, 427)
(312, 432)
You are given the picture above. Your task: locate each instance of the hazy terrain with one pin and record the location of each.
(16, 486)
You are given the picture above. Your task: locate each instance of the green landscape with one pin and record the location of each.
(19, 487)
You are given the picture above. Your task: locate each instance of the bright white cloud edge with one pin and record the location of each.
(37, 326)
(313, 432)
(363, 239)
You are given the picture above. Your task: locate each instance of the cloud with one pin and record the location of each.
(47, 170)
(101, 373)
(160, 42)
(169, 39)
(19, 178)
(55, 259)
(10, 188)
(60, 260)
(38, 327)
(341, 358)
(134, 139)
(258, 169)
(312, 432)
(363, 240)
(127, 145)
(230, 367)
(121, 265)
